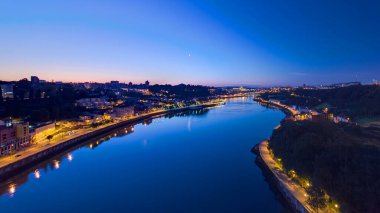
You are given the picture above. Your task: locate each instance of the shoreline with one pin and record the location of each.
(284, 108)
(18, 165)
(290, 192)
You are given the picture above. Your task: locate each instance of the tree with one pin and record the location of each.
(49, 137)
(317, 198)
(341, 159)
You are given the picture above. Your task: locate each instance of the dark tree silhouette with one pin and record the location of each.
(343, 160)
(317, 198)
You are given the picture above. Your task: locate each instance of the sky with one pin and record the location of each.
(219, 43)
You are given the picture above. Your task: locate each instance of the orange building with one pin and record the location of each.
(14, 137)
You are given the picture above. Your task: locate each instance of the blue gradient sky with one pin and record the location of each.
(200, 42)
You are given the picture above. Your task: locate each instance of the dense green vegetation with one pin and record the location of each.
(353, 101)
(342, 160)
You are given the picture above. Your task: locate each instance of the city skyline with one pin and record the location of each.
(248, 43)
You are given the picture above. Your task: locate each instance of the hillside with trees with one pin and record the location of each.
(341, 160)
(353, 101)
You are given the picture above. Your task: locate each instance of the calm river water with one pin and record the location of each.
(190, 162)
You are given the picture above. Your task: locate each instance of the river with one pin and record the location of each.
(198, 161)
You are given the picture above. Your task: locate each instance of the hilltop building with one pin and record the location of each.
(34, 80)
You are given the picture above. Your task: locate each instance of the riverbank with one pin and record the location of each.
(286, 109)
(292, 193)
(11, 165)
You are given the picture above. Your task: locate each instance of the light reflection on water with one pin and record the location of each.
(9, 186)
(12, 189)
(56, 164)
(37, 174)
(70, 157)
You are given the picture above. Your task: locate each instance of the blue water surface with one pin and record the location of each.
(192, 162)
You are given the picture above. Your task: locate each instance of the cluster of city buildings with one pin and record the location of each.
(115, 114)
(92, 103)
(301, 113)
(14, 136)
(306, 114)
(8, 88)
(310, 87)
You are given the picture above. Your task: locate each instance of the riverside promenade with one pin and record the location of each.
(11, 164)
(293, 193)
(287, 109)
